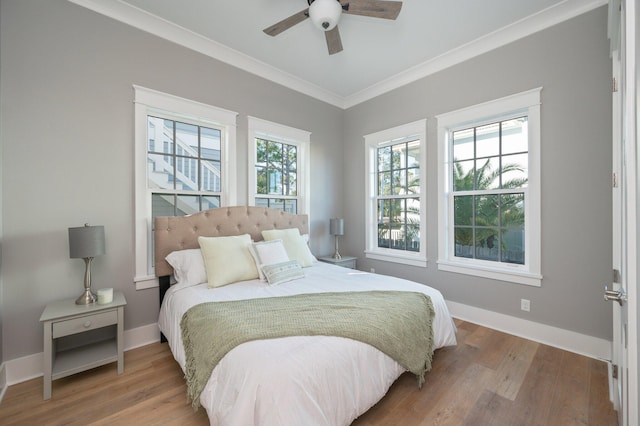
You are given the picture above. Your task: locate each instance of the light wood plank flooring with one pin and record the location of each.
(490, 378)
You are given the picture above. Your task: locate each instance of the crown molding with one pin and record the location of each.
(537, 22)
(155, 25)
(167, 30)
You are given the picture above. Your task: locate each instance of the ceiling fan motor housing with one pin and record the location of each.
(325, 14)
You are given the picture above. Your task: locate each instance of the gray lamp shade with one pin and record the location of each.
(86, 241)
(336, 226)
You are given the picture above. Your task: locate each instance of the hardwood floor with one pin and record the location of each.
(490, 378)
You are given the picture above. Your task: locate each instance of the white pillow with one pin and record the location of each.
(294, 244)
(227, 259)
(188, 266)
(267, 253)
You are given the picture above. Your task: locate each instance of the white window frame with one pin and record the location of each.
(372, 142)
(525, 103)
(150, 102)
(263, 129)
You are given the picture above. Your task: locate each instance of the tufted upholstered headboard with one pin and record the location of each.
(182, 232)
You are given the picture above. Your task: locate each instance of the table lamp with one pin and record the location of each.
(86, 242)
(336, 227)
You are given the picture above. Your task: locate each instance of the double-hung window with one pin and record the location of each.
(278, 166)
(183, 150)
(489, 211)
(395, 209)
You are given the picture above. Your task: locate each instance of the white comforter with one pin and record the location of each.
(297, 380)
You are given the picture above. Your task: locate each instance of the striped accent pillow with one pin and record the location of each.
(277, 273)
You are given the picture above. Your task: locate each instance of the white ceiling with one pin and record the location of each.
(379, 55)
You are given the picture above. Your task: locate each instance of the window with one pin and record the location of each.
(396, 213)
(489, 214)
(278, 166)
(183, 151)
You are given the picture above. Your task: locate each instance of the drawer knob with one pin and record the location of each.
(87, 324)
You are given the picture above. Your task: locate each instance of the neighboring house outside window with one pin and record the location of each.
(183, 151)
(278, 166)
(396, 201)
(489, 211)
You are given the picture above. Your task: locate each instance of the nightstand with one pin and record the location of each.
(81, 337)
(344, 261)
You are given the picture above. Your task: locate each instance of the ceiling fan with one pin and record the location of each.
(325, 15)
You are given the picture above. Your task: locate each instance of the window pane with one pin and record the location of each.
(384, 183)
(262, 202)
(413, 237)
(463, 242)
(384, 227)
(463, 210)
(513, 245)
(261, 152)
(512, 210)
(515, 136)
(515, 171)
(384, 158)
(413, 154)
(488, 140)
(210, 202)
(160, 171)
(275, 182)
(291, 206)
(261, 177)
(463, 175)
(488, 173)
(210, 176)
(413, 177)
(487, 244)
(274, 154)
(486, 213)
(291, 157)
(210, 143)
(276, 203)
(291, 184)
(187, 174)
(399, 181)
(463, 145)
(160, 135)
(187, 204)
(162, 205)
(399, 156)
(186, 139)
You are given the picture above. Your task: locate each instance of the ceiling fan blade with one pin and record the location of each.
(287, 23)
(334, 44)
(385, 9)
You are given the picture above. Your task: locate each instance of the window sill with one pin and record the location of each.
(396, 258)
(145, 282)
(511, 276)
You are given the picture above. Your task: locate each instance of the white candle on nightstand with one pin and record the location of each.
(105, 295)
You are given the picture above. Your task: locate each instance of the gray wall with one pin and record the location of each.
(67, 150)
(67, 158)
(571, 62)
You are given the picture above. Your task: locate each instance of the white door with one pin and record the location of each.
(622, 292)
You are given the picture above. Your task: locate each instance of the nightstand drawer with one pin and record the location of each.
(85, 323)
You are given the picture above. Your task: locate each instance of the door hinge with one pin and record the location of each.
(614, 371)
(616, 276)
(615, 180)
(614, 85)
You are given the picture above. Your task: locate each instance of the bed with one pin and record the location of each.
(289, 380)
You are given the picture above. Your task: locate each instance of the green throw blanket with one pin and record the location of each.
(397, 323)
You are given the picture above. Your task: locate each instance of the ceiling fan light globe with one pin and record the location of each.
(325, 14)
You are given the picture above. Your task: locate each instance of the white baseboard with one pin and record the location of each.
(29, 367)
(571, 341)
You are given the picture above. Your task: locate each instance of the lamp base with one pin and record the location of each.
(86, 298)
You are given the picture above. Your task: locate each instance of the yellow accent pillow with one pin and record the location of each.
(227, 259)
(294, 244)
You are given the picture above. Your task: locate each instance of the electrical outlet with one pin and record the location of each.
(525, 305)
(373, 270)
